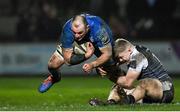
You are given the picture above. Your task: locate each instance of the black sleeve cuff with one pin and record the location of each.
(77, 58)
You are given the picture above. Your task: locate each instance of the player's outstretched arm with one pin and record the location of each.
(105, 56)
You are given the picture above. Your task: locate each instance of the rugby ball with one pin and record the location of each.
(80, 48)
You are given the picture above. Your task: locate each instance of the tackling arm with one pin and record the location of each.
(127, 81)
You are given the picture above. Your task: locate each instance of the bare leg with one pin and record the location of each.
(113, 95)
(55, 62)
(149, 87)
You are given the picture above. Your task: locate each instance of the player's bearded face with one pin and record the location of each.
(79, 31)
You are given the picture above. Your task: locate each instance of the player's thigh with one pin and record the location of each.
(153, 88)
(56, 60)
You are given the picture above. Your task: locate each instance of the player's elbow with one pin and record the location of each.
(128, 85)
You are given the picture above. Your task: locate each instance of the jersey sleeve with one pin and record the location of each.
(138, 63)
(67, 38)
(103, 37)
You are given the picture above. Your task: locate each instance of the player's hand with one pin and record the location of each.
(87, 67)
(101, 71)
(90, 50)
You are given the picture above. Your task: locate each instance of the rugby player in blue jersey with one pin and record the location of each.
(154, 84)
(79, 29)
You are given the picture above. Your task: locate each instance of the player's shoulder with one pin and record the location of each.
(88, 16)
(67, 25)
(92, 19)
(136, 55)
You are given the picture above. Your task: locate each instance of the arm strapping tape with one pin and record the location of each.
(77, 58)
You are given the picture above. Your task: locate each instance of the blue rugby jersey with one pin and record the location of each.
(99, 33)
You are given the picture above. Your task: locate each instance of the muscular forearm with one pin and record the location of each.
(101, 60)
(123, 82)
(75, 59)
(105, 56)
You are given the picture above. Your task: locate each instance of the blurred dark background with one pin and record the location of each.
(42, 20)
(30, 29)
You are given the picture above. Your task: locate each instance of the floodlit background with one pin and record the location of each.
(30, 31)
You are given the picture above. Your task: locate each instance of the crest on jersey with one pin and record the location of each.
(103, 36)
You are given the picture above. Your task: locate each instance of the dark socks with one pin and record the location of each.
(111, 102)
(56, 74)
(131, 99)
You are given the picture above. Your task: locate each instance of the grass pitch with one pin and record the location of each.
(71, 94)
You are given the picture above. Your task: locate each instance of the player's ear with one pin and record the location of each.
(129, 49)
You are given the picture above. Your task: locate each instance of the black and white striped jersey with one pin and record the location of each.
(144, 61)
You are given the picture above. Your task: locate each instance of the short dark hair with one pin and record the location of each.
(121, 45)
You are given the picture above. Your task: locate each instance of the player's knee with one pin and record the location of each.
(55, 64)
(143, 84)
(50, 68)
(114, 94)
(55, 61)
(52, 65)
